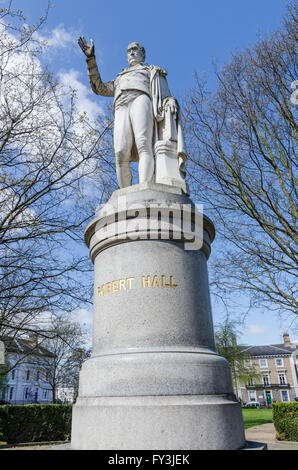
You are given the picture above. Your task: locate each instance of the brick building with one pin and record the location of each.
(276, 366)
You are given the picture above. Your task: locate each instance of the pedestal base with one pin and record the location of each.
(154, 379)
(188, 422)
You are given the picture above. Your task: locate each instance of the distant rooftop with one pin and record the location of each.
(24, 346)
(284, 349)
(270, 350)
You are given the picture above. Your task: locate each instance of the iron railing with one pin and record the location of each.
(274, 385)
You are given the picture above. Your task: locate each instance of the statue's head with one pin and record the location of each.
(135, 53)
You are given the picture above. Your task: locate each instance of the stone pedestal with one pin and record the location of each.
(154, 380)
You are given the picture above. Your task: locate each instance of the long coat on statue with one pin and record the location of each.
(166, 126)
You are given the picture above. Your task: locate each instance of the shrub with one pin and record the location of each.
(35, 423)
(285, 419)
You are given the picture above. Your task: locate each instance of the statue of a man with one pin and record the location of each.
(144, 112)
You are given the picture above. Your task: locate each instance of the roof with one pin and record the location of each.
(24, 346)
(270, 350)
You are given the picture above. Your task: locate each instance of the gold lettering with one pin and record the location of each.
(129, 280)
(172, 282)
(146, 282)
(156, 281)
(127, 284)
(164, 282)
(114, 286)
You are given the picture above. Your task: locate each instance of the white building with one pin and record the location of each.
(26, 381)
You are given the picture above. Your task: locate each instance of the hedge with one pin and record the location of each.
(285, 419)
(35, 423)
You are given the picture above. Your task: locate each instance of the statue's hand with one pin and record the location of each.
(171, 105)
(88, 49)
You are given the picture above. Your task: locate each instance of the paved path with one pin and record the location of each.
(264, 433)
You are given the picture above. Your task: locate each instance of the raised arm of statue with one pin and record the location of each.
(97, 85)
(86, 48)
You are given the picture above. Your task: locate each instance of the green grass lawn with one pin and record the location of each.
(254, 417)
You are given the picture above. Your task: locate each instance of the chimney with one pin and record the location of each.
(33, 339)
(234, 341)
(286, 338)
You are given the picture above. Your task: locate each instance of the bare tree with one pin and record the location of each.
(243, 140)
(226, 344)
(72, 367)
(51, 159)
(67, 345)
(4, 369)
(53, 358)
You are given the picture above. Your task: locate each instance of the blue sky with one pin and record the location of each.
(181, 36)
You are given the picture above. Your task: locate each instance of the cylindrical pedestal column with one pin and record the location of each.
(154, 380)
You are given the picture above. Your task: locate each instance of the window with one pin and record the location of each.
(266, 380)
(11, 393)
(13, 374)
(263, 363)
(282, 379)
(250, 381)
(26, 393)
(252, 396)
(28, 375)
(37, 375)
(284, 395)
(279, 362)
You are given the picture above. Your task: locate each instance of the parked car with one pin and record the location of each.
(252, 404)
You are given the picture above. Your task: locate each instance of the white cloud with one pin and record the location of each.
(85, 104)
(21, 88)
(59, 38)
(8, 201)
(57, 41)
(257, 329)
(83, 316)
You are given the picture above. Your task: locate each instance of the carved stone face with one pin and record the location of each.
(135, 53)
